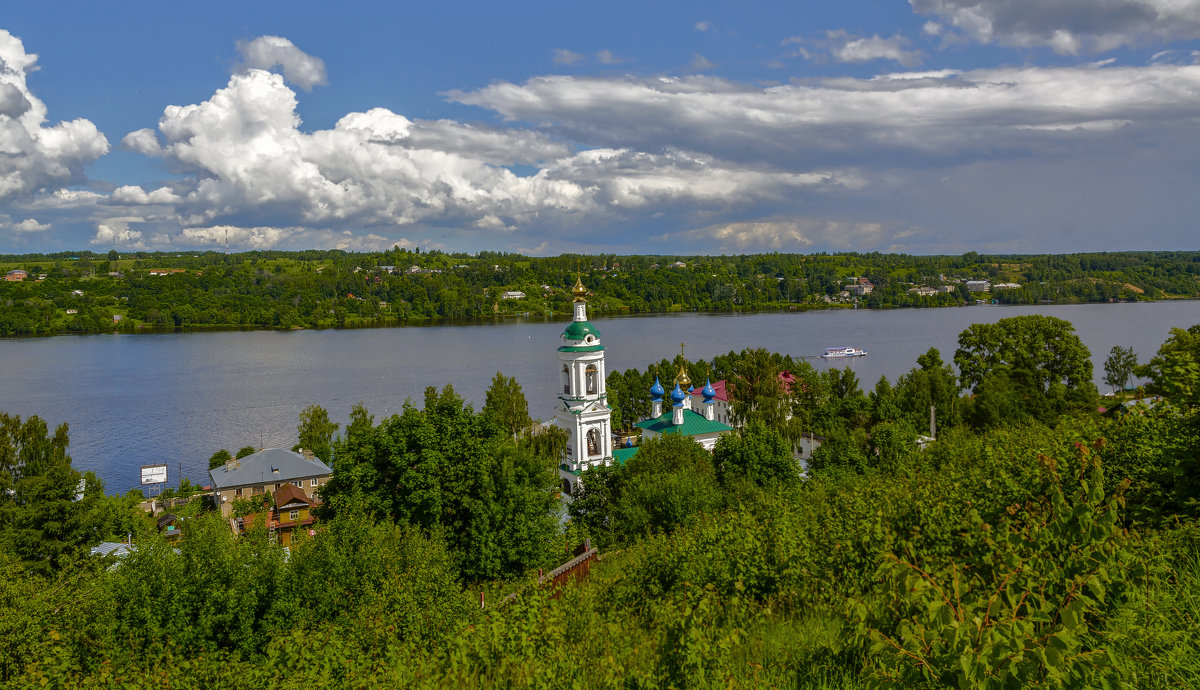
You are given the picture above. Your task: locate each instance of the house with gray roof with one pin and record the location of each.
(265, 472)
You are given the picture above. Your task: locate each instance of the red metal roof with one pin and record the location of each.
(718, 386)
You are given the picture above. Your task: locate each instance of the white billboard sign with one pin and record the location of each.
(154, 474)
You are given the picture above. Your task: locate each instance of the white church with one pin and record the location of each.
(583, 410)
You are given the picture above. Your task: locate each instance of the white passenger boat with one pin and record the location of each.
(831, 352)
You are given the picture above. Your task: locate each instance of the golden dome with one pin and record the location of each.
(682, 378)
(579, 290)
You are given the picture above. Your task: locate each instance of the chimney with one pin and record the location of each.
(308, 454)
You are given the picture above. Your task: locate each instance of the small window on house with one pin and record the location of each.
(237, 492)
(277, 487)
(312, 483)
(294, 515)
(257, 490)
(296, 484)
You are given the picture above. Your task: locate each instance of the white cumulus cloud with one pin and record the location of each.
(116, 233)
(269, 52)
(33, 154)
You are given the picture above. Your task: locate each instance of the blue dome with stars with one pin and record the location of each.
(708, 392)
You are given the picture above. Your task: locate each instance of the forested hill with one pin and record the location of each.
(84, 291)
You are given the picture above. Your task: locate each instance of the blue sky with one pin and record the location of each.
(934, 126)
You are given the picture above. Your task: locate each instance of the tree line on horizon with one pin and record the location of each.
(1037, 542)
(335, 289)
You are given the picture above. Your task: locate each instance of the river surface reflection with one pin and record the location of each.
(132, 400)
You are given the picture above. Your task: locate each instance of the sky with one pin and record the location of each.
(647, 127)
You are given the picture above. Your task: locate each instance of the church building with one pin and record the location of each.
(583, 410)
(703, 427)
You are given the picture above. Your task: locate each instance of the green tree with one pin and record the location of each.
(1045, 346)
(316, 432)
(1036, 363)
(446, 468)
(361, 421)
(219, 458)
(670, 479)
(1174, 371)
(931, 384)
(505, 404)
(49, 512)
(758, 453)
(244, 451)
(1119, 366)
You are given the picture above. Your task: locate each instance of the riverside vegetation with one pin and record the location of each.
(86, 292)
(1037, 542)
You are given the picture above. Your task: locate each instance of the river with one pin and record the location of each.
(175, 398)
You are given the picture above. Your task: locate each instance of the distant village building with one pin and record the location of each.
(946, 288)
(860, 289)
(1006, 286)
(166, 271)
(265, 472)
(513, 294)
(16, 275)
(923, 291)
(677, 264)
(978, 285)
(72, 311)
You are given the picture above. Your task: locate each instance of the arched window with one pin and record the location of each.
(566, 379)
(566, 487)
(593, 442)
(590, 377)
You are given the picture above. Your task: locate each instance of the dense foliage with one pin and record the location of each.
(1028, 551)
(322, 289)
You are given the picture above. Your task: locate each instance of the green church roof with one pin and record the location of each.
(578, 330)
(694, 424)
(622, 455)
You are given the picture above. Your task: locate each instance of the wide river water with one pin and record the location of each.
(175, 398)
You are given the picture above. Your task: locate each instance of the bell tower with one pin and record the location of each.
(583, 410)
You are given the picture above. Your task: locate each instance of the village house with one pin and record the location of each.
(979, 285)
(513, 294)
(170, 526)
(923, 291)
(1006, 286)
(16, 275)
(265, 472)
(287, 510)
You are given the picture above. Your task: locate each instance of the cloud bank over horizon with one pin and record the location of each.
(908, 156)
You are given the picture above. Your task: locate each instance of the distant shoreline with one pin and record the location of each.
(421, 322)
